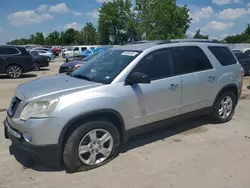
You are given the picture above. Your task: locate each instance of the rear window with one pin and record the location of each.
(223, 55)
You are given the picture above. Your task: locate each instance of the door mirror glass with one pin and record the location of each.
(138, 78)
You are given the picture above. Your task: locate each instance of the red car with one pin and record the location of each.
(56, 51)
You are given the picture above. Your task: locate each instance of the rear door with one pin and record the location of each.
(8, 56)
(199, 86)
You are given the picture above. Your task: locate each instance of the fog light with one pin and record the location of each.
(27, 138)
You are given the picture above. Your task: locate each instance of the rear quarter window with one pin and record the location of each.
(223, 55)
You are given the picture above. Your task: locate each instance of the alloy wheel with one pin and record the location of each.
(95, 147)
(225, 107)
(15, 71)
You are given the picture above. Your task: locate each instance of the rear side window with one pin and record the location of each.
(76, 49)
(223, 55)
(83, 48)
(8, 51)
(188, 59)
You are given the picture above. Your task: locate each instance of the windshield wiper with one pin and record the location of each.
(82, 77)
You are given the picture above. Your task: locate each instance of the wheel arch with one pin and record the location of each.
(106, 114)
(12, 65)
(229, 87)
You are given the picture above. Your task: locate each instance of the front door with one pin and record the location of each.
(159, 100)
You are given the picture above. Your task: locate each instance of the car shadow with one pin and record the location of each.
(44, 69)
(29, 161)
(193, 125)
(24, 76)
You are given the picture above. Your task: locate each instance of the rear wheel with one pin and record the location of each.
(37, 66)
(224, 107)
(14, 71)
(91, 145)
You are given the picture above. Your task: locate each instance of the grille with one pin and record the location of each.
(13, 106)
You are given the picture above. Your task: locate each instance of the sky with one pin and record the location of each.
(21, 18)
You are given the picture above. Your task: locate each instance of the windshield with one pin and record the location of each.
(105, 66)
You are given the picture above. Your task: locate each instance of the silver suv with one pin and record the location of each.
(80, 119)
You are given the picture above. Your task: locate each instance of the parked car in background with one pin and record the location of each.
(14, 61)
(73, 65)
(84, 54)
(89, 52)
(56, 51)
(76, 50)
(246, 51)
(50, 56)
(244, 60)
(39, 60)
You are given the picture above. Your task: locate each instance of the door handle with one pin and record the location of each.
(174, 86)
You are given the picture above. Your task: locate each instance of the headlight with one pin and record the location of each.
(38, 109)
(77, 66)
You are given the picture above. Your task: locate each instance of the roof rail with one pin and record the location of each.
(196, 40)
(140, 42)
(174, 41)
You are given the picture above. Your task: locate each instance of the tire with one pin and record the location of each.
(36, 66)
(14, 71)
(74, 161)
(223, 114)
(48, 59)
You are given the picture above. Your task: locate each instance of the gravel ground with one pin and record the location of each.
(193, 154)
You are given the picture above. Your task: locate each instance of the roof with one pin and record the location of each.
(144, 45)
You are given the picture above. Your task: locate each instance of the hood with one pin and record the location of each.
(72, 63)
(52, 85)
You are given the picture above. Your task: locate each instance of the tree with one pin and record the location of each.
(21, 41)
(69, 36)
(244, 37)
(39, 38)
(89, 34)
(53, 38)
(116, 24)
(162, 19)
(198, 35)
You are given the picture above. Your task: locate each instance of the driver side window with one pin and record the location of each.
(156, 65)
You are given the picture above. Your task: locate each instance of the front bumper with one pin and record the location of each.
(50, 155)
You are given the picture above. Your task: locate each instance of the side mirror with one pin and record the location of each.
(137, 78)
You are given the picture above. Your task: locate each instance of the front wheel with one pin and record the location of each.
(14, 71)
(224, 107)
(91, 145)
